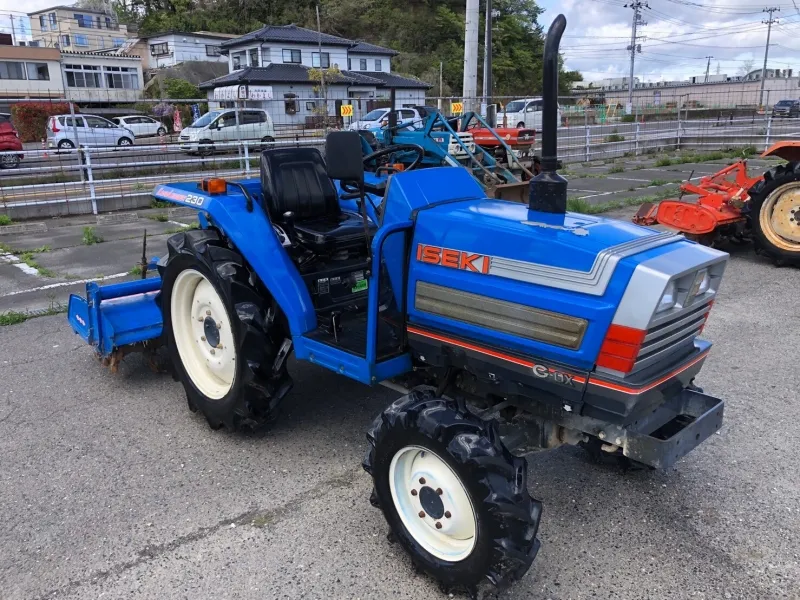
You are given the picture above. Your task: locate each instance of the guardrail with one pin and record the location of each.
(51, 182)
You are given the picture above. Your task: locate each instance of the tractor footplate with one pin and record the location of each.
(646, 215)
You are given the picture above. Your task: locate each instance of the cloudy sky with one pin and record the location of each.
(678, 37)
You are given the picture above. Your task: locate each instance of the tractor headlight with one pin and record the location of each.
(668, 298)
(701, 283)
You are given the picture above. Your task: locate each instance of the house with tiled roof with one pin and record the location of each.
(276, 68)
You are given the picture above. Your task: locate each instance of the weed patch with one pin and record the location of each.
(90, 236)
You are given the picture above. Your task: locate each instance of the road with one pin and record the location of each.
(111, 488)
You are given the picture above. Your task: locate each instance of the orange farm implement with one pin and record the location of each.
(731, 205)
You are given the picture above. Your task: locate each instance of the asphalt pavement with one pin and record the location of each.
(111, 488)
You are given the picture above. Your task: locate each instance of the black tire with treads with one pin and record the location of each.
(773, 179)
(257, 332)
(507, 518)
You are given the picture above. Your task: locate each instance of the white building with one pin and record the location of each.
(275, 61)
(170, 48)
(30, 73)
(101, 77)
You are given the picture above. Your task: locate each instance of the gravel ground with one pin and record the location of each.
(111, 488)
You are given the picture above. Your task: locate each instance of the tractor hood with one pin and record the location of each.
(509, 232)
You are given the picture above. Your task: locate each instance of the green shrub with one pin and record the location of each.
(5, 220)
(90, 236)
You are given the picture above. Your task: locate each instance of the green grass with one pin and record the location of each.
(579, 205)
(159, 204)
(664, 162)
(136, 270)
(28, 259)
(13, 317)
(657, 182)
(5, 220)
(160, 217)
(90, 236)
(616, 169)
(184, 228)
(614, 137)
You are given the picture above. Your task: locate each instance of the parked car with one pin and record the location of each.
(375, 119)
(90, 129)
(219, 126)
(9, 142)
(787, 108)
(524, 113)
(141, 126)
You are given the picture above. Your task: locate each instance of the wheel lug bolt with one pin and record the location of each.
(208, 313)
(438, 525)
(202, 338)
(422, 514)
(201, 319)
(422, 481)
(219, 346)
(413, 492)
(212, 351)
(439, 491)
(219, 325)
(447, 514)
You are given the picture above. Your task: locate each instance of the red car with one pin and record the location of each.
(9, 142)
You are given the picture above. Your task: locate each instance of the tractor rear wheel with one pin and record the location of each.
(775, 214)
(454, 496)
(222, 336)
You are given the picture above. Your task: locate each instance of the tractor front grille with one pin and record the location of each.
(673, 335)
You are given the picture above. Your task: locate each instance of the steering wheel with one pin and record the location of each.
(389, 150)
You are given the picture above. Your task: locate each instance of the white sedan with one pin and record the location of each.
(141, 126)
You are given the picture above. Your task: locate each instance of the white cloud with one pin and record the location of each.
(679, 35)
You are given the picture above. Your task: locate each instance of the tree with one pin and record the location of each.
(180, 89)
(747, 66)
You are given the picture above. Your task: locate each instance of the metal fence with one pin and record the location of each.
(103, 176)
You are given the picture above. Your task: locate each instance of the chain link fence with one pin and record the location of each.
(109, 156)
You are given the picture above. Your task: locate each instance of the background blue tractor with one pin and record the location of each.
(508, 327)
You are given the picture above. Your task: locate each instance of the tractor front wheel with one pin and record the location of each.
(775, 214)
(455, 498)
(221, 333)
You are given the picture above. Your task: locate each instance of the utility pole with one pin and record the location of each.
(769, 23)
(13, 32)
(708, 67)
(322, 73)
(487, 56)
(637, 6)
(470, 85)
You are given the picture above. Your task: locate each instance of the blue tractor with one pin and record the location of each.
(508, 328)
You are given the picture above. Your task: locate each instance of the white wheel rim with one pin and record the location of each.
(780, 217)
(199, 319)
(416, 476)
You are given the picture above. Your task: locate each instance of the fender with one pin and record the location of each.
(253, 236)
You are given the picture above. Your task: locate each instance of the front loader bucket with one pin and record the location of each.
(515, 192)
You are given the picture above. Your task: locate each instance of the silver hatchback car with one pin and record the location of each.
(66, 132)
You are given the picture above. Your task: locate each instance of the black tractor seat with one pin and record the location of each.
(295, 180)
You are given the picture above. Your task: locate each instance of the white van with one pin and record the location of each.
(219, 126)
(524, 114)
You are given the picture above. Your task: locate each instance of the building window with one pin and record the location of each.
(212, 50)
(253, 57)
(108, 23)
(53, 21)
(64, 41)
(362, 64)
(33, 43)
(12, 70)
(38, 71)
(291, 56)
(83, 20)
(377, 64)
(117, 42)
(159, 49)
(239, 60)
(99, 22)
(290, 102)
(42, 23)
(325, 63)
(349, 65)
(81, 40)
(121, 78)
(83, 76)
